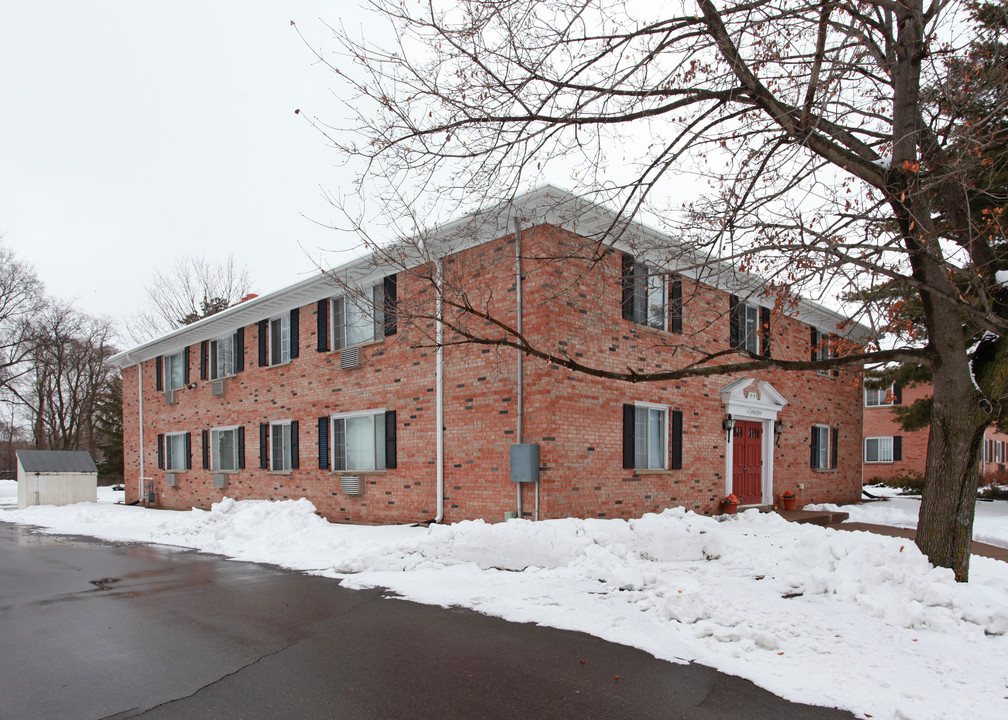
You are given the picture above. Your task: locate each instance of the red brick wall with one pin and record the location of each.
(571, 304)
(881, 422)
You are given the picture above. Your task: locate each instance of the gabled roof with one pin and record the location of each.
(542, 205)
(56, 461)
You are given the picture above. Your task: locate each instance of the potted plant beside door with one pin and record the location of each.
(788, 499)
(729, 505)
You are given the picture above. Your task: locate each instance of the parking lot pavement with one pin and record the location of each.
(101, 630)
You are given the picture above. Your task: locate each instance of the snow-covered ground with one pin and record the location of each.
(835, 618)
(990, 524)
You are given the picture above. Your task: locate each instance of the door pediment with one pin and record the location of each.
(747, 398)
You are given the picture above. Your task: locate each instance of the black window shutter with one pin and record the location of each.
(390, 440)
(323, 443)
(264, 446)
(627, 278)
(734, 339)
(897, 392)
(188, 450)
(295, 451)
(239, 353)
(263, 342)
(202, 360)
(675, 305)
(765, 331)
(241, 447)
(158, 373)
(628, 436)
(897, 448)
(391, 305)
(185, 365)
(676, 440)
(815, 345)
(160, 451)
(814, 458)
(206, 449)
(834, 445)
(295, 332)
(322, 325)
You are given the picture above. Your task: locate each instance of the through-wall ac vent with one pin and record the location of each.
(348, 358)
(220, 480)
(217, 387)
(171, 480)
(350, 484)
(169, 397)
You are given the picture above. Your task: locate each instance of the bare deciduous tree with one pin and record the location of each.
(21, 299)
(190, 289)
(831, 141)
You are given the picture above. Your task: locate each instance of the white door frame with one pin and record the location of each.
(755, 401)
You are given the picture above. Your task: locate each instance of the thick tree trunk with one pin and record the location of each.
(945, 524)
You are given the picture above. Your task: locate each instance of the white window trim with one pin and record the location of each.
(212, 367)
(168, 454)
(288, 460)
(168, 373)
(878, 450)
(214, 458)
(883, 398)
(665, 439)
(376, 413)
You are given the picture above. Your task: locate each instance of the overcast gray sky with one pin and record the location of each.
(133, 132)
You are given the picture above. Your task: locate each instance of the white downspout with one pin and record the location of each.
(139, 366)
(521, 374)
(439, 395)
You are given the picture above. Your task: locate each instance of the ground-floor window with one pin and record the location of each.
(176, 452)
(878, 449)
(360, 441)
(824, 447)
(224, 448)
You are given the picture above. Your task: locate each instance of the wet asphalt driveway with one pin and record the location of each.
(97, 630)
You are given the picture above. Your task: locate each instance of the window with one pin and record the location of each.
(749, 327)
(224, 449)
(647, 434)
(173, 451)
(878, 450)
(174, 371)
(279, 329)
(877, 398)
(361, 441)
(821, 348)
(278, 445)
(644, 293)
(824, 447)
(222, 357)
(358, 320)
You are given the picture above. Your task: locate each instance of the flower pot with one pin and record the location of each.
(729, 508)
(789, 503)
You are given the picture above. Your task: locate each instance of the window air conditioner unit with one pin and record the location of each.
(217, 387)
(220, 480)
(350, 484)
(171, 480)
(169, 397)
(349, 358)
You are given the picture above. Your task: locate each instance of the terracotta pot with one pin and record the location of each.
(789, 503)
(729, 508)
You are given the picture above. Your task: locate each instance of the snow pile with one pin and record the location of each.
(752, 595)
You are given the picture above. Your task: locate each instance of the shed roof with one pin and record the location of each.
(56, 461)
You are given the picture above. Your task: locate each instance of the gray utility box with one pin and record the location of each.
(525, 462)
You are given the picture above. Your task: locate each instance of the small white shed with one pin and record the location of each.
(55, 477)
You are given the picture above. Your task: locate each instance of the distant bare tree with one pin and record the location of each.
(190, 289)
(21, 299)
(69, 372)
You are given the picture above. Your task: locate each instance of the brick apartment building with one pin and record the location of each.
(889, 450)
(346, 398)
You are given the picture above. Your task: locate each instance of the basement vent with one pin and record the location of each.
(350, 484)
(217, 387)
(169, 397)
(220, 480)
(171, 480)
(348, 358)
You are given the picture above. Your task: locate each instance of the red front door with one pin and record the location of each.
(747, 462)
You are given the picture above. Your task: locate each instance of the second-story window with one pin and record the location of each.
(644, 294)
(279, 329)
(222, 357)
(749, 327)
(359, 319)
(175, 371)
